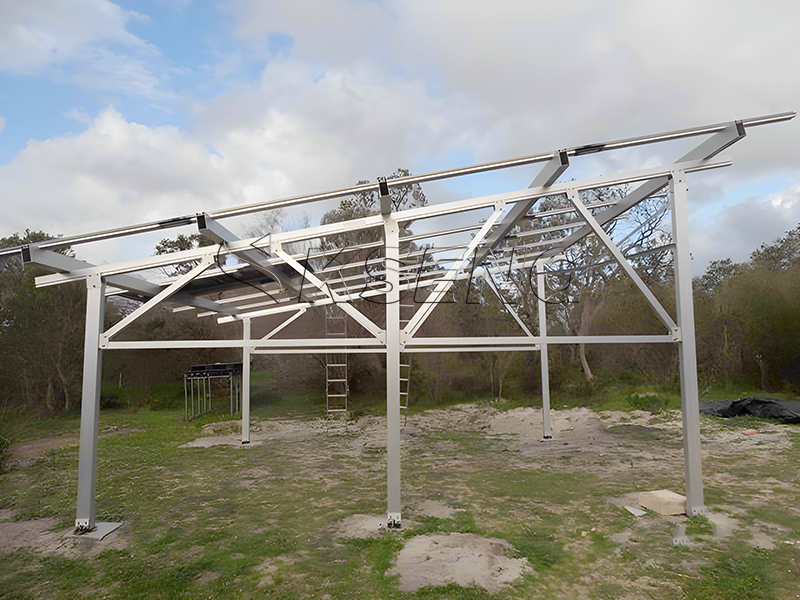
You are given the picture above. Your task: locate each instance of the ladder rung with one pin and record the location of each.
(337, 365)
(338, 380)
(337, 395)
(330, 410)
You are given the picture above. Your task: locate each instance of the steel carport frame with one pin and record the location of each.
(268, 256)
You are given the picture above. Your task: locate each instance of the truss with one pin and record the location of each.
(287, 283)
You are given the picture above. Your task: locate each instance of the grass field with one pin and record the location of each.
(265, 521)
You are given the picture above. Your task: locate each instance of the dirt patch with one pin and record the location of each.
(434, 508)
(465, 559)
(222, 440)
(269, 568)
(360, 526)
(35, 533)
(25, 454)
(40, 535)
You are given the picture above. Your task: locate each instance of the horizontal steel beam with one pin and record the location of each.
(401, 181)
(332, 344)
(66, 265)
(443, 342)
(371, 345)
(415, 214)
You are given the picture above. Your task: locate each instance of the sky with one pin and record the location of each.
(113, 113)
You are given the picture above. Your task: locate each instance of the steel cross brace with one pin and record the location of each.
(574, 196)
(447, 281)
(732, 133)
(549, 174)
(360, 318)
(164, 294)
(132, 283)
(487, 277)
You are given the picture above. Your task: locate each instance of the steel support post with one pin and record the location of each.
(392, 254)
(247, 351)
(90, 403)
(547, 426)
(687, 353)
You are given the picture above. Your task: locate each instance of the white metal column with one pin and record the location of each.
(690, 397)
(246, 352)
(90, 403)
(547, 427)
(392, 253)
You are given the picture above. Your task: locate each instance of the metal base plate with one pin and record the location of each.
(100, 531)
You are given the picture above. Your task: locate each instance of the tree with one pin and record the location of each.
(41, 335)
(351, 263)
(178, 244)
(782, 254)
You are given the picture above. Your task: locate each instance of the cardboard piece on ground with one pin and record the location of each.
(664, 502)
(636, 512)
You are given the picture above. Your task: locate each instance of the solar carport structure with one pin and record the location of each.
(264, 277)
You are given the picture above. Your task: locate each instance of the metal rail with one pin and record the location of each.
(401, 181)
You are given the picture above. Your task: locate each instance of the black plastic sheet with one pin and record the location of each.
(787, 411)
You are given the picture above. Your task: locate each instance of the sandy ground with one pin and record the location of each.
(465, 559)
(591, 441)
(42, 535)
(25, 454)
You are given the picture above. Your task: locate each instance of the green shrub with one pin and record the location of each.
(648, 401)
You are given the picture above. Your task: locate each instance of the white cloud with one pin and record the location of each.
(368, 87)
(516, 78)
(548, 75)
(77, 115)
(37, 34)
(740, 229)
(114, 173)
(2, 124)
(84, 41)
(299, 132)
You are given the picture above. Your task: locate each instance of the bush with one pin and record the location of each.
(648, 401)
(4, 445)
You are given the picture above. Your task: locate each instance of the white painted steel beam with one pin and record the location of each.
(247, 350)
(435, 210)
(722, 139)
(286, 323)
(687, 353)
(403, 181)
(131, 283)
(393, 346)
(90, 404)
(549, 174)
(357, 315)
(164, 294)
(255, 257)
(487, 277)
(541, 304)
(446, 282)
(661, 312)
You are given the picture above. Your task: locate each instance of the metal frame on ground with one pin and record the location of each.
(286, 283)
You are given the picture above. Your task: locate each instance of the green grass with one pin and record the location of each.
(231, 522)
(741, 574)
